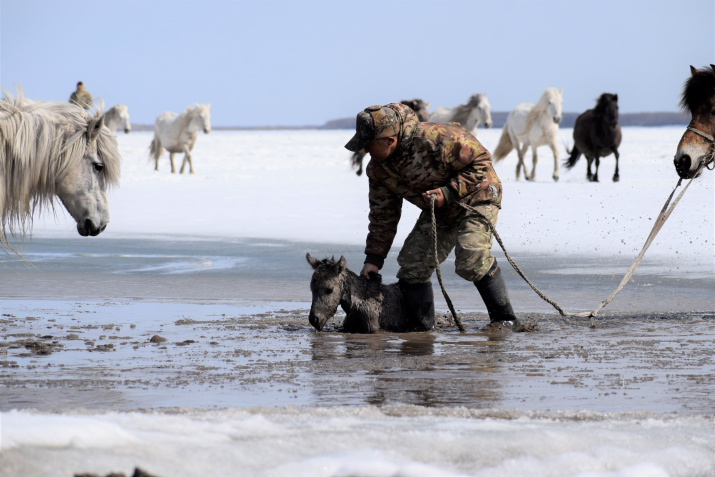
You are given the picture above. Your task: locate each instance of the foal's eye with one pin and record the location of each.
(98, 166)
(328, 291)
(712, 112)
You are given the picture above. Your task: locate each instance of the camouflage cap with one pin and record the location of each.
(373, 123)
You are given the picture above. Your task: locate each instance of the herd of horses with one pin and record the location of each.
(52, 150)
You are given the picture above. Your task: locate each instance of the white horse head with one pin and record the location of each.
(481, 110)
(551, 101)
(201, 118)
(475, 111)
(56, 149)
(118, 117)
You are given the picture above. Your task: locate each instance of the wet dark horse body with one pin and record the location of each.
(418, 106)
(597, 134)
(697, 146)
(368, 304)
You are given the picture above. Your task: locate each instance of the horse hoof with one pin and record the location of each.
(616, 178)
(556, 178)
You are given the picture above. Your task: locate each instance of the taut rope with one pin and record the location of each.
(659, 222)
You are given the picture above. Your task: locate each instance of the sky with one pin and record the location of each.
(297, 63)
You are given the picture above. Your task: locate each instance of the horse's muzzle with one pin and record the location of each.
(87, 227)
(316, 322)
(126, 131)
(557, 119)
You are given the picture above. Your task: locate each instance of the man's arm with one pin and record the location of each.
(385, 212)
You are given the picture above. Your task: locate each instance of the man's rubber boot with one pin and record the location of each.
(496, 298)
(418, 305)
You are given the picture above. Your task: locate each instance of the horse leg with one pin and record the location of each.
(589, 175)
(555, 151)
(616, 177)
(171, 159)
(187, 158)
(520, 151)
(534, 160)
(598, 162)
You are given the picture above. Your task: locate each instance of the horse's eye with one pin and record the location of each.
(328, 291)
(98, 166)
(712, 112)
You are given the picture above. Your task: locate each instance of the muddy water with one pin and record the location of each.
(123, 355)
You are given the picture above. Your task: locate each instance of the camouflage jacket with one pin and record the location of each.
(81, 98)
(428, 156)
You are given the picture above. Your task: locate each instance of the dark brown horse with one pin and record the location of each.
(417, 105)
(696, 148)
(597, 134)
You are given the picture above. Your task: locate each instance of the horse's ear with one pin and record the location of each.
(712, 68)
(615, 96)
(561, 91)
(94, 126)
(314, 262)
(342, 264)
(693, 70)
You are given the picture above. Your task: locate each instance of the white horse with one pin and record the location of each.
(50, 149)
(532, 125)
(178, 132)
(118, 117)
(476, 111)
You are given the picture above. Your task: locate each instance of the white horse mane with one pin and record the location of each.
(549, 95)
(39, 143)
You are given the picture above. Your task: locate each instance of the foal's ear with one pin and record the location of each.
(342, 264)
(712, 67)
(314, 262)
(94, 126)
(693, 70)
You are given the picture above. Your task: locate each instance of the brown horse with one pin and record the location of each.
(417, 105)
(597, 134)
(696, 149)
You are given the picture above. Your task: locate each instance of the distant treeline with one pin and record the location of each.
(498, 118)
(626, 119)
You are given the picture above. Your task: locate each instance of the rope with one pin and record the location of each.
(439, 272)
(659, 222)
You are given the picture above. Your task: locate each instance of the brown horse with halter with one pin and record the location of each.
(696, 149)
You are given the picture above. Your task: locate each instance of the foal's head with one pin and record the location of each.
(326, 285)
(696, 146)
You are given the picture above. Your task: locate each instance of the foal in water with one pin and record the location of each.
(368, 304)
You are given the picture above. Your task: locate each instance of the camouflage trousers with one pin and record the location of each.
(470, 238)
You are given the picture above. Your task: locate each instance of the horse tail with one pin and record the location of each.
(575, 155)
(504, 147)
(155, 148)
(356, 160)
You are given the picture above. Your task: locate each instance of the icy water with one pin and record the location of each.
(233, 315)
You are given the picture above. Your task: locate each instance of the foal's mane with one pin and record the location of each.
(462, 112)
(698, 89)
(40, 142)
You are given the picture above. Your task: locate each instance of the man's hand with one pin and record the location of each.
(439, 197)
(369, 268)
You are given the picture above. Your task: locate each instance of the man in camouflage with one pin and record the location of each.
(413, 161)
(81, 97)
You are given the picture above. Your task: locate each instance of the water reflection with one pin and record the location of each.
(426, 369)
